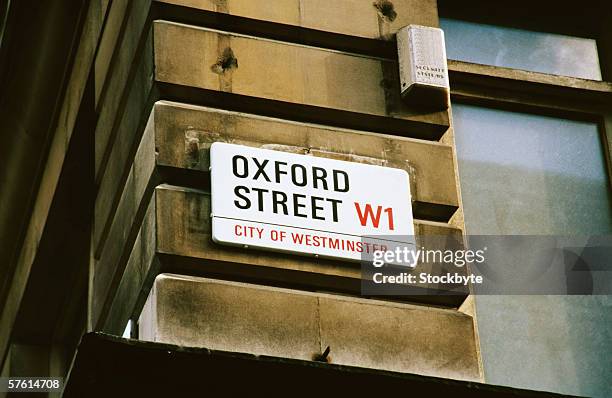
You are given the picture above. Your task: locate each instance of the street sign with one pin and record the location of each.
(308, 205)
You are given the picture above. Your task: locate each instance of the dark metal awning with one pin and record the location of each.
(109, 366)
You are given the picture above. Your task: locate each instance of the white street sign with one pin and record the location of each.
(308, 205)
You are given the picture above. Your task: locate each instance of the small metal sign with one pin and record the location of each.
(422, 65)
(304, 204)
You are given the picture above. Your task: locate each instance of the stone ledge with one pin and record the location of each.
(274, 321)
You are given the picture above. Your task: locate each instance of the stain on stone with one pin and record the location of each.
(390, 86)
(221, 6)
(386, 10)
(286, 148)
(192, 149)
(197, 212)
(387, 84)
(226, 62)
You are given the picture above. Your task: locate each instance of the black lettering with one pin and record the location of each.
(294, 175)
(297, 205)
(261, 169)
(319, 174)
(277, 171)
(247, 202)
(346, 181)
(282, 202)
(245, 166)
(334, 203)
(260, 192)
(315, 208)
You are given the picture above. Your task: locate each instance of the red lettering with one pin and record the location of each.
(363, 218)
(297, 238)
(389, 212)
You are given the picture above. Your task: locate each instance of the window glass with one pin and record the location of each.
(530, 174)
(521, 49)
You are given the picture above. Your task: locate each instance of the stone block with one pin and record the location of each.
(339, 82)
(373, 19)
(264, 320)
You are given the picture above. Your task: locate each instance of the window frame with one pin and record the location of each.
(534, 92)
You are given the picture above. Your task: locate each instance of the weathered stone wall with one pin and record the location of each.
(262, 82)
